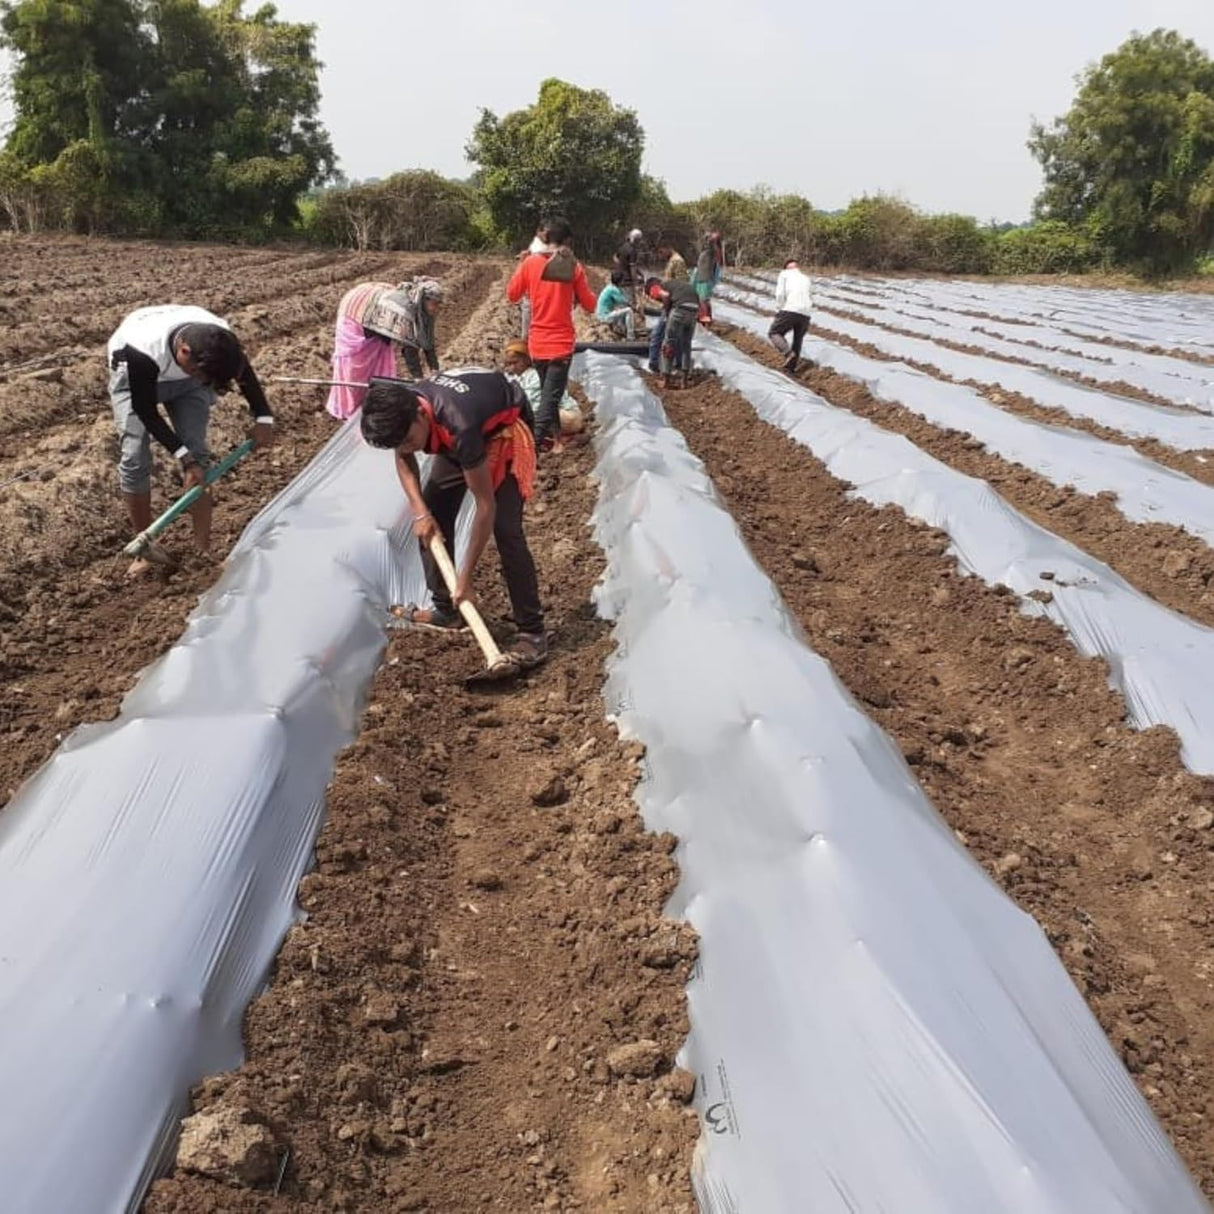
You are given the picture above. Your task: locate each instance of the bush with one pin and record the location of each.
(418, 211)
(1048, 247)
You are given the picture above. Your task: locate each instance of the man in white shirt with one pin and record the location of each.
(181, 357)
(794, 303)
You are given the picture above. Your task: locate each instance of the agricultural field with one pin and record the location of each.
(989, 508)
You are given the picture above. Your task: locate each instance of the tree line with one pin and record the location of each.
(200, 121)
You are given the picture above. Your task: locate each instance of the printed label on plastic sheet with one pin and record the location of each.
(719, 1114)
(874, 1025)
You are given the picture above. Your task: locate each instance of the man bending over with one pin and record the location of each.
(477, 424)
(181, 357)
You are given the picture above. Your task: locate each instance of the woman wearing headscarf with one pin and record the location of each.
(372, 318)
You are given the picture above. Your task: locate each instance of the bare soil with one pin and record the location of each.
(73, 631)
(483, 932)
(1113, 387)
(482, 1007)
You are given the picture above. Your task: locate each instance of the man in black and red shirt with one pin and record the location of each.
(478, 426)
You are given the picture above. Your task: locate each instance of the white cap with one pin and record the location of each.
(635, 234)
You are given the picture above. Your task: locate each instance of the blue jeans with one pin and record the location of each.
(655, 344)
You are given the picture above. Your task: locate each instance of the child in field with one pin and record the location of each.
(517, 362)
(614, 307)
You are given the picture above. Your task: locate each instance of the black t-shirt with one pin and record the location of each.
(469, 407)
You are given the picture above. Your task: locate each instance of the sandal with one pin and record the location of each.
(529, 650)
(436, 619)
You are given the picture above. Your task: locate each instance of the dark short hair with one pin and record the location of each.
(618, 277)
(792, 261)
(215, 352)
(390, 409)
(653, 278)
(558, 230)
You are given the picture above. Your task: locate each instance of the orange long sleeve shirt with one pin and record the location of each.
(551, 334)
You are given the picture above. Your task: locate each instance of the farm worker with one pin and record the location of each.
(476, 425)
(373, 317)
(681, 304)
(614, 307)
(627, 261)
(794, 302)
(676, 267)
(181, 357)
(552, 281)
(707, 272)
(518, 367)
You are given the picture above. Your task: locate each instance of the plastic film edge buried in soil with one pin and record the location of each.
(1160, 661)
(1144, 491)
(874, 1024)
(148, 870)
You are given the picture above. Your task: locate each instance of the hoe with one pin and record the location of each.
(144, 545)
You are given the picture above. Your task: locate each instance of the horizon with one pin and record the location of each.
(728, 127)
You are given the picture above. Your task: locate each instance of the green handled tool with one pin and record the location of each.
(144, 543)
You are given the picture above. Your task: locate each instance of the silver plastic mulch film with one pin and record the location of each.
(1161, 661)
(875, 1026)
(1144, 491)
(148, 871)
(1174, 427)
(1168, 319)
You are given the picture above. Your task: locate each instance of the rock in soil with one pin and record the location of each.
(229, 1144)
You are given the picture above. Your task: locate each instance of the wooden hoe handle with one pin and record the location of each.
(484, 638)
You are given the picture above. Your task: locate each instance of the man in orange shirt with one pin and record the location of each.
(552, 281)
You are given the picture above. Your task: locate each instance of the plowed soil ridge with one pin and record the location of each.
(1096, 830)
(73, 632)
(483, 932)
(1113, 387)
(1165, 562)
(1198, 464)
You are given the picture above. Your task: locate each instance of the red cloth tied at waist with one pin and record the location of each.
(513, 450)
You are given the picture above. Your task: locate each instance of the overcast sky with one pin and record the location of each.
(930, 99)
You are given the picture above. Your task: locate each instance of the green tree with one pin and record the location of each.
(573, 152)
(882, 233)
(233, 101)
(417, 210)
(955, 244)
(78, 64)
(163, 115)
(1132, 161)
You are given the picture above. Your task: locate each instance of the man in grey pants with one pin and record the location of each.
(181, 357)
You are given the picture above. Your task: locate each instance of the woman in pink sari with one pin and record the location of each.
(372, 318)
